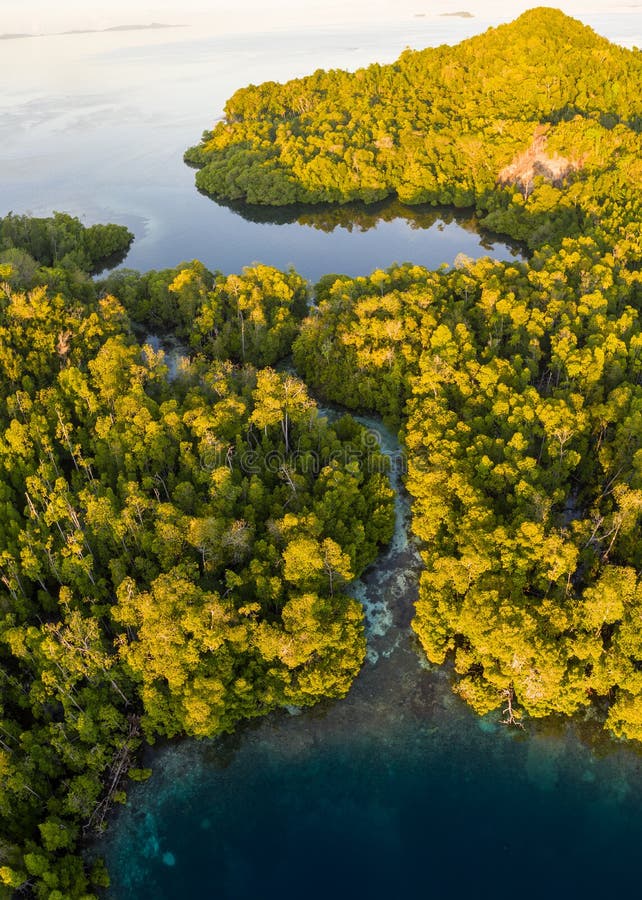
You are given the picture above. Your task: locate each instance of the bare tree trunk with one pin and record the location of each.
(508, 714)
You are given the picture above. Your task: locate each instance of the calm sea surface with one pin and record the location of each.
(397, 791)
(96, 125)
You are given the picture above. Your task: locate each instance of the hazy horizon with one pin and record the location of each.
(41, 16)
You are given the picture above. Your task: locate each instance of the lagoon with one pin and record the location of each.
(96, 125)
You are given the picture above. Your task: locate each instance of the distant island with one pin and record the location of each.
(460, 15)
(152, 26)
(468, 126)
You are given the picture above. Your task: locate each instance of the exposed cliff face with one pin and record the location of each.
(535, 161)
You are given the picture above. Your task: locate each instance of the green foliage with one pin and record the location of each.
(517, 388)
(176, 554)
(252, 317)
(442, 126)
(147, 535)
(59, 242)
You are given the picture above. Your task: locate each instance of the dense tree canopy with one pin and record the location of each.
(176, 548)
(517, 389)
(175, 555)
(252, 317)
(536, 124)
(59, 242)
(515, 385)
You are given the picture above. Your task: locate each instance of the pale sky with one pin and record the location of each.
(35, 16)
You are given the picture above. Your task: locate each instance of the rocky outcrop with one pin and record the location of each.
(535, 161)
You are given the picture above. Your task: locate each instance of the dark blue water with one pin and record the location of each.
(428, 809)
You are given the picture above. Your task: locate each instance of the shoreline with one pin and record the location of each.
(400, 711)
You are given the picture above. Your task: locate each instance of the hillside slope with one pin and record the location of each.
(443, 126)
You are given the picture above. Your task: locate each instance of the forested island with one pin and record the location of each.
(541, 141)
(177, 548)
